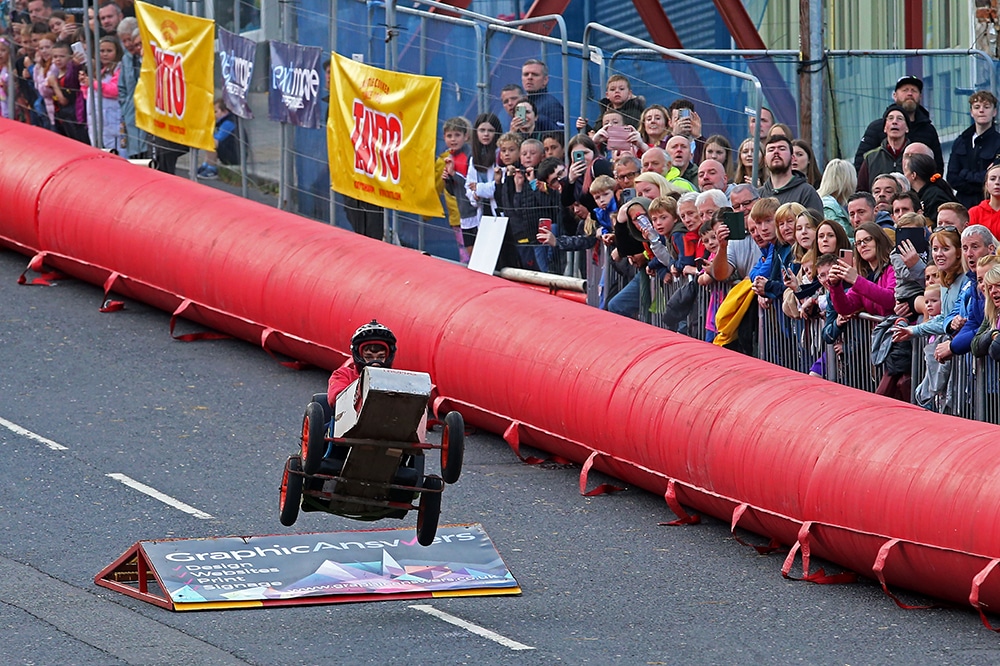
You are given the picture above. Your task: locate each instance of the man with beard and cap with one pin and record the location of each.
(784, 184)
(907, 95)
(888, 157)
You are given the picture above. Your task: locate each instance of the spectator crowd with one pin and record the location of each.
(710, 238)
(710, 241)
(44, 52)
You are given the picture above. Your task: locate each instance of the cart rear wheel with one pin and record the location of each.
(313, 438)
(429, 510)
(291, 491)
(452, 447)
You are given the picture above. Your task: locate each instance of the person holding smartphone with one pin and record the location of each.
(524, 120)
(65, 84)
(583, 168)
(868, 283)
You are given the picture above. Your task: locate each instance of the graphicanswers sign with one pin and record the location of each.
(381, 134)
(173, 98)
(332, 567)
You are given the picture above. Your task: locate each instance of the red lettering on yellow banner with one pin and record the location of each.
(170, 91)
(377, 138)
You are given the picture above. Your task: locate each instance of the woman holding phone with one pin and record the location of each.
(868, 274)
(583, 168)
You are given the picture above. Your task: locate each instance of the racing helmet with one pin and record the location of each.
(373, 333)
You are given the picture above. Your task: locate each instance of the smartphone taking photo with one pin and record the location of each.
(735, 221)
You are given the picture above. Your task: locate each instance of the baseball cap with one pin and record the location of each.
(911, 80)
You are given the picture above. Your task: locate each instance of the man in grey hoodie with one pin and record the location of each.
(784, 184)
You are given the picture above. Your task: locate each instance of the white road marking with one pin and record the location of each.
(474, 628)
(18, 430)
(157, 495)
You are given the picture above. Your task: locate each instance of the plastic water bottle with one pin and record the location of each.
(647, 227)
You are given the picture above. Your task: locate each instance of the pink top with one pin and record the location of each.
(877, 298)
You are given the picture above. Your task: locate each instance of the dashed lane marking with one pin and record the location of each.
(23, 432)
(157, 495)
(473, 628)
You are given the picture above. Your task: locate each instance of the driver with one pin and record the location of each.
(371, 345)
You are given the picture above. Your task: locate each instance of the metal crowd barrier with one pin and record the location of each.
(795, 344)
(694, 325)
(973, 386)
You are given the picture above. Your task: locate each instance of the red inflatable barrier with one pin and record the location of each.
(882, 488)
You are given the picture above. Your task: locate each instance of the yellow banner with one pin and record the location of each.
(174, 95)
(381, 133)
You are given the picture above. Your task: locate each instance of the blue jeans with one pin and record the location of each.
(626, 301)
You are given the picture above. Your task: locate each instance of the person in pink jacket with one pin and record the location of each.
(870, 276)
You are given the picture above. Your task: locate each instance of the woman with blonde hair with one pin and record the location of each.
(985, 341)
(840, 181)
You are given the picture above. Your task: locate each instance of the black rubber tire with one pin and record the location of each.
(429, 510)
(452, 447)
(313, 438)
(291, 492)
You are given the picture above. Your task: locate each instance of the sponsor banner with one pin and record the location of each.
(295, 84)
(381, 136)
(236, 56)
(176, 87)
(326, 567)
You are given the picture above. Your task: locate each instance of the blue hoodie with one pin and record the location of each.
(971, 304)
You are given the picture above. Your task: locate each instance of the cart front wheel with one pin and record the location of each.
(291, 491)
(452, 447)
(429, 510)
(313, 438)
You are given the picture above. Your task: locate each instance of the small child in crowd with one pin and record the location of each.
(456, 169)
(931, 393)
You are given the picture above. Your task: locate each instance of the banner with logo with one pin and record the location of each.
(315, 568)
(381, 135)
(236, 56)
(176, 87)
(295, 85)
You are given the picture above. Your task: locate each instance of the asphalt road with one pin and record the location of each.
(210, 424)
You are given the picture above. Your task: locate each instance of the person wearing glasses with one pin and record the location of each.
(871, 279)
(869, 275)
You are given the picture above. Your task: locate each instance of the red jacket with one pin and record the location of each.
(985, 215)
(341, 379)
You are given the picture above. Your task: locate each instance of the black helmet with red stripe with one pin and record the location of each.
(377, 335)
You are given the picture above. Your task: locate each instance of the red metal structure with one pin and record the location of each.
(880, 487)
(662, 32)
(744, 32)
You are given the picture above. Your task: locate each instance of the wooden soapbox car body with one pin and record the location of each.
(365, 458)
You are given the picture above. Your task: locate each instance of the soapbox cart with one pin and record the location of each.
(365, 458)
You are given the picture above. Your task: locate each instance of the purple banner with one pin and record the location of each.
(295, 84)
(236, 55)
